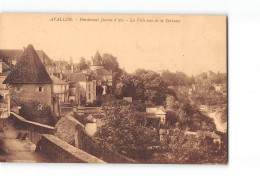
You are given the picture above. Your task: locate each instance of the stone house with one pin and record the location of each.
(60, 89)
(30, 87)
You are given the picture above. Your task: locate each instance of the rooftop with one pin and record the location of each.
(28, 70)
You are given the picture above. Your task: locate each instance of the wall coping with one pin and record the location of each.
(31, 122)
(80, 154)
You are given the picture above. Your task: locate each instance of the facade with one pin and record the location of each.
(60, 89)
(103, 76)
(77, 87)
(30, 87)
(90, 91)
(83, 85)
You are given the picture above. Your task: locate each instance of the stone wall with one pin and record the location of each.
(35, 105)
(72, 132)
(23, 123)
(59, 151)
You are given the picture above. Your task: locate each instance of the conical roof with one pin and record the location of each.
(28, 70)
(97, 59)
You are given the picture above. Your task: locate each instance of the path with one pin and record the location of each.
(16, 150)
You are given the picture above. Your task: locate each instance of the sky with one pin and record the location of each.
(190, 43)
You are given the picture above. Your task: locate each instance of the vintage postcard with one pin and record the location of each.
(139, 89)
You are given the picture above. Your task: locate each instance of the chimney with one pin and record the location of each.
(1, 66)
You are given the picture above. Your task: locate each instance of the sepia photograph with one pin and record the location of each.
(103, 88)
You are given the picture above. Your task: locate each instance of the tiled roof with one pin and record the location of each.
(76, 77)
(28, 70)
(44, 58)
(15, 54)
(57, 81)
(97, 59)
(10, 53)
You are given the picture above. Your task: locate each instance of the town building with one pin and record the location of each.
(104, 76)
(90, 90)
(84, 86)
(11, 57)
(77, 87)
(30, 87)
(60, 89)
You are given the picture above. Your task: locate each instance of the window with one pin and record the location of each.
(18, 88)
(39, 107)
(40, 89)
(89, 95)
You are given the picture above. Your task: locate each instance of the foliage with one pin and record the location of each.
(99, 90)
(184, 116)
(83, 64)
(30, 111)
(125, 131)
(181, 148)
(177, 79)
(144, 85)
(110, 63)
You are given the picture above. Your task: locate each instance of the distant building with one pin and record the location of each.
(60, 89)
(11, 57)
(104, 76)
(90, 90)
(128, 99)
(30, 86)
(82, 87)
(158, 112)
(62, 67)
(96, 62)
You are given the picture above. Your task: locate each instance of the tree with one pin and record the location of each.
(177, 79)
(144, 85)
(83, 64)
(110, 63)
(181, 148)
(125, 131)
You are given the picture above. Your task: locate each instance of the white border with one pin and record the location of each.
(244, 89)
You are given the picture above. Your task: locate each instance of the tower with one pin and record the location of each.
(30, 87)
